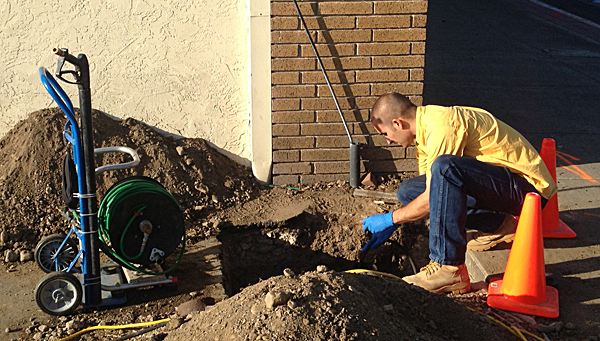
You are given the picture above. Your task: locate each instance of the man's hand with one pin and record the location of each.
(379, 238)
(377, 223)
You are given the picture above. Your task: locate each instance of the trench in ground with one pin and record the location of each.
(254, 253)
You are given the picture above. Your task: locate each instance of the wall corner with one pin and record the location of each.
(259, 39)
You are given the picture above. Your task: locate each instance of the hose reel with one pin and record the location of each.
(140, 223)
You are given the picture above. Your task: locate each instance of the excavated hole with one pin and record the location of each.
(254, 253)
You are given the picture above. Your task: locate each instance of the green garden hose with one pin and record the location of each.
(115, 197)
(138, 211)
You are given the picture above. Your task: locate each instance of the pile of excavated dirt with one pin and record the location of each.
(200, 178)
(327, 305)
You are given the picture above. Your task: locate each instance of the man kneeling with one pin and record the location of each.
(474, 174)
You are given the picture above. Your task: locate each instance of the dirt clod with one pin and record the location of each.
(11, 256)
(321, 268)
(276, 298)
(190, 306)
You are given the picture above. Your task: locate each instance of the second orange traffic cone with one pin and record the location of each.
(523, 288)
(553, 227)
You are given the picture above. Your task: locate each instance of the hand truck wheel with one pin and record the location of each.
(58, 293)
(49, 246)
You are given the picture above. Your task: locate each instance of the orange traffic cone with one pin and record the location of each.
(523, 288)
(552, 226)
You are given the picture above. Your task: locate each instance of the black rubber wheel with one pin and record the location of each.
(58, 293)
(49, 246)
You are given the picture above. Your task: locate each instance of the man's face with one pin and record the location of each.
(394, 134)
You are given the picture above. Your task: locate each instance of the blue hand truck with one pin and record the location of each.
(137, 225)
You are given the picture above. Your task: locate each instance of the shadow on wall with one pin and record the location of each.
(241, 160)
(339, 71)
(335, 58)
(374, 159)
(377, 160)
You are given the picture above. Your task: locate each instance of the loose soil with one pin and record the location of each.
(264, 232)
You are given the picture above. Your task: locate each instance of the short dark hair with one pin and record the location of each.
(391, 105)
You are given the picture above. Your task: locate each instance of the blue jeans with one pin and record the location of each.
(465, 194)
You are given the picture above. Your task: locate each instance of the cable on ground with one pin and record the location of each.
(354, 271)
(126, 326)
(514, 330)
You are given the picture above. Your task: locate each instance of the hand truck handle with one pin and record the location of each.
(134, 155)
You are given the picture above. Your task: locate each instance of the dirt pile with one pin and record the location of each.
(327, 305)
(200, 178)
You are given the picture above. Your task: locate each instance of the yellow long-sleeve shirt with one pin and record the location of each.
(475, 133)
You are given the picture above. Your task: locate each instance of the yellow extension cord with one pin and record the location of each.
(133, 325)
(514, 330)
(355, 271)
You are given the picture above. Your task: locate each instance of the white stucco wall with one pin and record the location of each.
(180, 66)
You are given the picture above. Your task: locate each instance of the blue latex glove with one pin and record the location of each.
(377, 223)
(380, 238)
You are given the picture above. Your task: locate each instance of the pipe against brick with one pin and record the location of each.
(354, 146)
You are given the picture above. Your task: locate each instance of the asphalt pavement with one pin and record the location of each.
(587, 9)
(538, 70)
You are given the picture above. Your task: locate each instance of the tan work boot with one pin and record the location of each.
(439, 278)
(484, 241)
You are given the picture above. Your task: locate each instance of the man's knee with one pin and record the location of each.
(402, 194)
(410, 189)
(442, 162)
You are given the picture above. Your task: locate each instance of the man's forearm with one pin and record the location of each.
(415, 210)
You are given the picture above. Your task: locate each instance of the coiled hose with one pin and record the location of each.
(116, 196)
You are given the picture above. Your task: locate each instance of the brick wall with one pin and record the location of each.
(368, 48)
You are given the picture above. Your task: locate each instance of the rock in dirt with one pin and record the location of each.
(25, 256)
(175, 323)
(255, 309)
(10, 256)
(4, 237)
(287, 272)
(190, 306)
(276, 298)
(321, 268)
(74, 325)
(369, 180)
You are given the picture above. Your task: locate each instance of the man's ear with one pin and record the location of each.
(398, 123)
